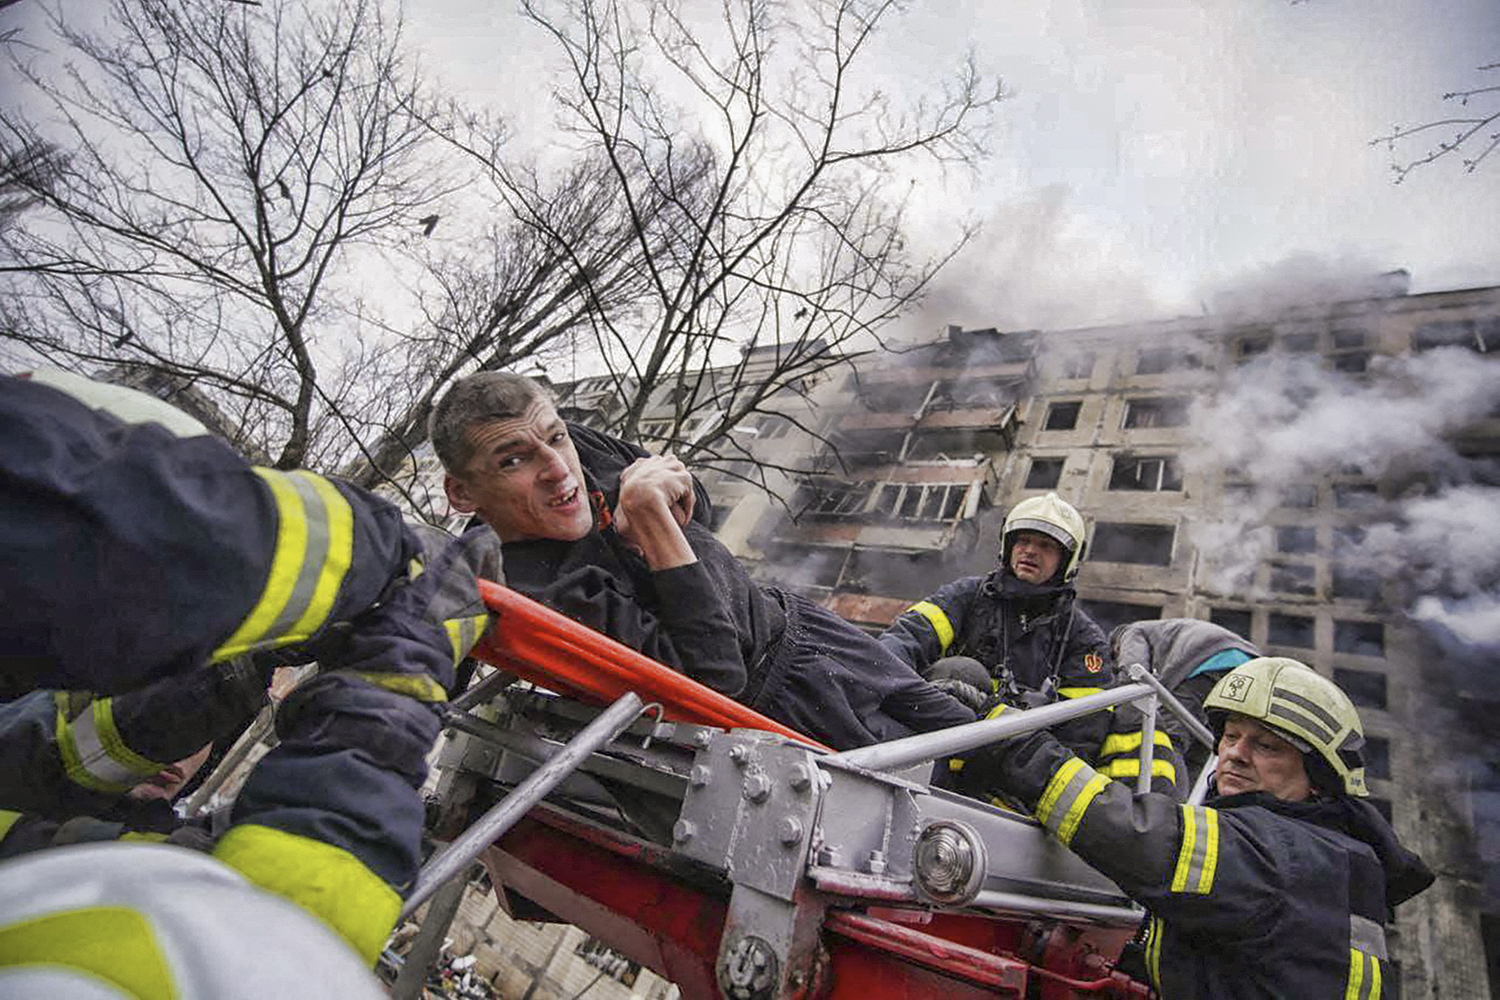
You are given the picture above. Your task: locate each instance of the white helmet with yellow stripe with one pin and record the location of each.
(1301, 705)
(153, 922)
(1054, 517)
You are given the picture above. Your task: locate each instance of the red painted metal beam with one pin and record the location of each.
(544, 647)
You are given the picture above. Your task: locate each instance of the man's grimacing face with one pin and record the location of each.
(524, 479)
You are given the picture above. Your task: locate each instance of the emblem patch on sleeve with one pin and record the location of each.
(1093, 662)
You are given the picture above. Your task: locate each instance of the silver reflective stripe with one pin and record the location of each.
(1368, 936)
(314, 554)
(95, 758)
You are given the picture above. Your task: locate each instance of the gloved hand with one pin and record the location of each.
(412, 641)
(971, 697)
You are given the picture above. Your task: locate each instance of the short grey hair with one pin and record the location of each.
(478, 399)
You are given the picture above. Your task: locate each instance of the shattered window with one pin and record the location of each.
(922, 501)
(839, 501)
(1351, 362)
(1156, 411)
(1355, 583)
(1300, 495)
(1294, 578)
(1044, 473)
(1144, 544)
(1152, 473)
(1355, 496)
(1236, 620)
(1291, 630)
(1159, 360)
(1062, 416)
(1078, 365)
(1364, 687)
(1252, 346)
(1359, 638)
(1481, 336)
(1296, 539)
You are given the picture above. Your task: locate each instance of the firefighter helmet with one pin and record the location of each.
(147, 920)
(1303, 706)
(1054, 517)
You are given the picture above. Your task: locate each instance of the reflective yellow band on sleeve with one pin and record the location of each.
(144, 837)
(314, 549)
(1198, 858)
(325, 880)
(93, 754)
(419, 686)
(1130, 767)
(1077, 692)
(939, 621)
(1117, 743)
(1153, 951)
(1364, 976)
(1067, 797)
(112, 943)
(8, 819)
(463, 633)
(996, 712)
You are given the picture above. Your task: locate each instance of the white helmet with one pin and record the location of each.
(117, 920)
(1054, 517)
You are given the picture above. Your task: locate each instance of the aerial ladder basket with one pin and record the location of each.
(738, 858)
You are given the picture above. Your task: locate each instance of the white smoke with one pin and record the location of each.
(1284, 425)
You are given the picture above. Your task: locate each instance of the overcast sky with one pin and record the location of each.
(1153, 151)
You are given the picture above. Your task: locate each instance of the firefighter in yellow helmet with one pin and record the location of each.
(1015, 636)
(1280, 885)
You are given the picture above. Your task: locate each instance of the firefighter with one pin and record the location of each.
(136, 548)
(617, 539)
(1020, 624)
(1189, 656)
(1281, 884)
(154, 922)
(71, 754)
(144, 813)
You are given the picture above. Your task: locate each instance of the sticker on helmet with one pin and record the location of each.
(1236, 687)
(1093, 662)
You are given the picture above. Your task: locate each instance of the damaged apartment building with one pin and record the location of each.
(1205, 454)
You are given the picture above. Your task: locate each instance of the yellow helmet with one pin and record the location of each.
(1301, 705)
(1054, 517)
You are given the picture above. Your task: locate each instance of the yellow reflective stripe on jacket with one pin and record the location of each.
(93, 754)
(1116, 743)
(314, 549)
(1154, 933)
(8, 819)
(112, 943)
(1130, 767)
(1077, 692)
(1067, 797)
(1364, 976)
(939, 620)
(463, 633)
(325, 880)
(1198, 858)
(419, 686)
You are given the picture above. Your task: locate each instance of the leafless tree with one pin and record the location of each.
(230, 169)
(1472, 135)
(796, 245)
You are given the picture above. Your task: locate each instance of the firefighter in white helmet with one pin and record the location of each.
(153, 922)
(1015, 636)
(1280, 885)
